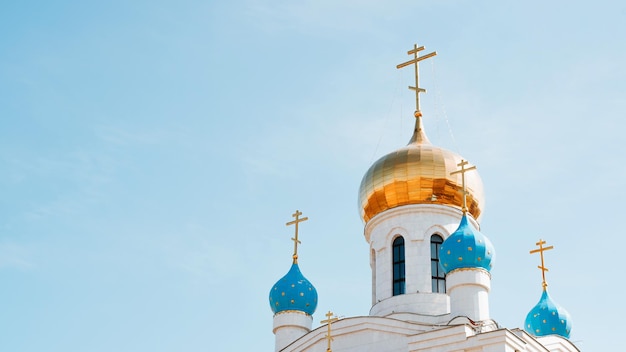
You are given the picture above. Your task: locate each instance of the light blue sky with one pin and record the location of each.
(151, 153)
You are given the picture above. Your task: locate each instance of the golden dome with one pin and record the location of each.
(418, 174)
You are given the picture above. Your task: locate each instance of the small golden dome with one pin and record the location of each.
(418, 174)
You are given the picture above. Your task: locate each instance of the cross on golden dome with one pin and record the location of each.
(542, 266)
(462, 172)
(415, 61)
(295, 239)
(330, 319)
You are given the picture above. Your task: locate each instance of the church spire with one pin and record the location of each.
(295, 238)
(543, 268)
(547, 317)
(330, 319)
(419, 136)
(462, 172)
(293, 299)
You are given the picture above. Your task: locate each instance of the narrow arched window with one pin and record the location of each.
(438, 275)
(399, 281)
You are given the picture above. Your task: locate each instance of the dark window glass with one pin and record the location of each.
(398, 267)
(437, 274)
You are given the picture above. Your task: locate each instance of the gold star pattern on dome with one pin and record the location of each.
(295, 238)
(330, 319)
(542, 266)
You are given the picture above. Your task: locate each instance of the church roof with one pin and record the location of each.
(548, 318)
(384, 334)
(466, 248)
(419, 173)
(293, 292)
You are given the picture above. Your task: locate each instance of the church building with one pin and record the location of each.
(421, 205)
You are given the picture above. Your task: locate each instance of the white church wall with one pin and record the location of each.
(289, 326)
(469, 293)
(360, 334)
(422, 303)
(416, 224)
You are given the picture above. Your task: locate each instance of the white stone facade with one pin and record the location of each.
(419, 320)
(416, 224)
(290, 325)
(469, 293)
(378, 334)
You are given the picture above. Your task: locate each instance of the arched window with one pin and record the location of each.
(398, 266)
(438, 275)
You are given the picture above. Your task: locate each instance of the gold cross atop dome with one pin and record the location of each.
(542, 266)
(295, 239)
(330, 319)
(415, 61)
(462, 172)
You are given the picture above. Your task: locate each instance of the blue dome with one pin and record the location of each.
(466, 248)
(293, 292)
(548, 318)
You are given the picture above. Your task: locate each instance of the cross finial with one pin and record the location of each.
(415, 61)
(295, 239)
(330, 319)
(542, 266)
(462, 172)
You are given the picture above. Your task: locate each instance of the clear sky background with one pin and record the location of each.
(151, 153)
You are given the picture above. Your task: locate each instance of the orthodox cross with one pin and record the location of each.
(542, 266)
(329, 321)
(295, 239)
(415, 61)
(462, 172)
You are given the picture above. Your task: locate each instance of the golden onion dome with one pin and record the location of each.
(418, 174)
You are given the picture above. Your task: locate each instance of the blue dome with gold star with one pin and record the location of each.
(466, 248)
(548, 318)
(293, 292)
